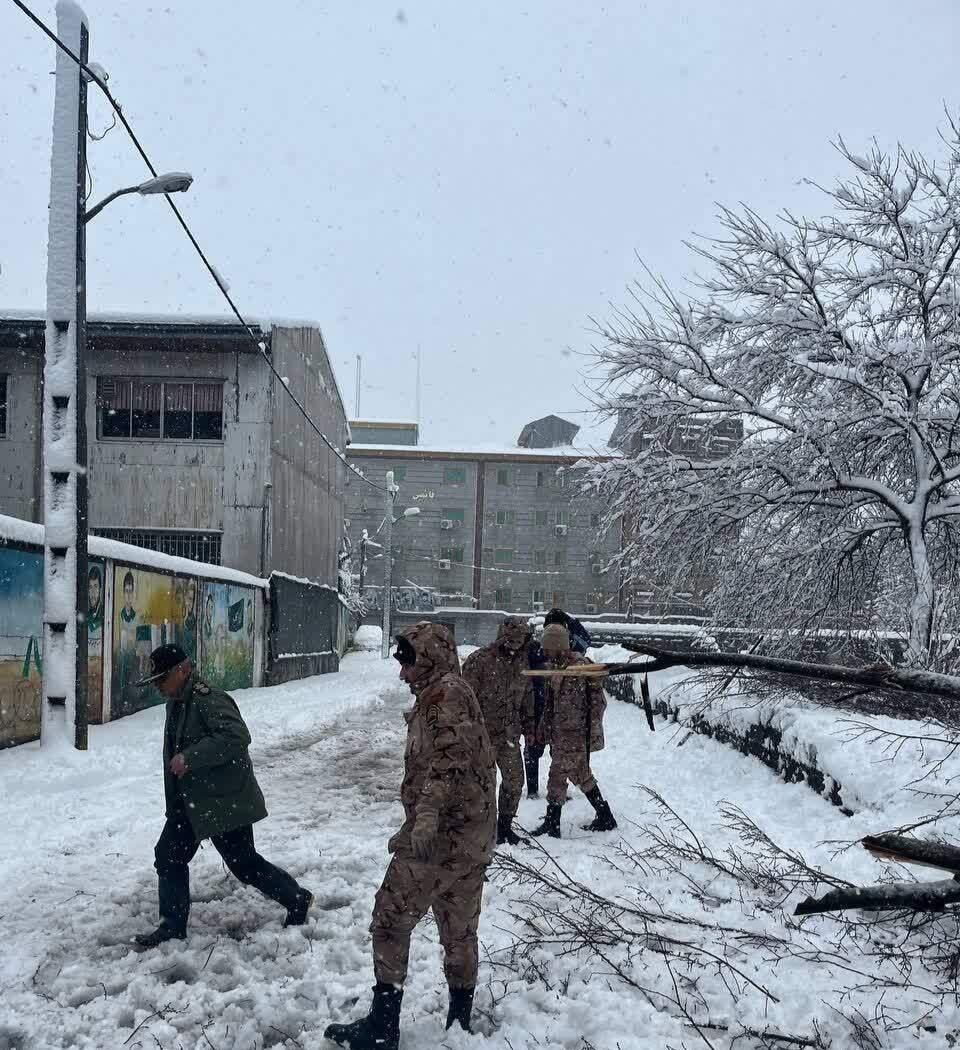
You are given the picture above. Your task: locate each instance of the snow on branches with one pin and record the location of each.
(828, 349)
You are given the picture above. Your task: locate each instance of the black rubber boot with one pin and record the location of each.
(603, 821)
(160, 935)
(551, 823)
(461, 1006)
(379, 1030)
(297, 915)
(505, 833)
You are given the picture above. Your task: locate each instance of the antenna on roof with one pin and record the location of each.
(356, 414)
(417, 414)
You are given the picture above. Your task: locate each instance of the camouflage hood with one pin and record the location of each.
(434, 648)
(514, 633)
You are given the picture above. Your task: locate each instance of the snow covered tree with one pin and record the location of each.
(834, 343)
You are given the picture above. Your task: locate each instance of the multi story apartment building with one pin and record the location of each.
(499, 527)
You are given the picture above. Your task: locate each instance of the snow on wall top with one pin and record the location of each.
(480, 450)
(18, 531)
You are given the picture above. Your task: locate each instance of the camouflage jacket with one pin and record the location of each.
(506, 697)
(449, 769)
(573, 705)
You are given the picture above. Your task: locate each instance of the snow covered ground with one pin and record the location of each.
(76, 880)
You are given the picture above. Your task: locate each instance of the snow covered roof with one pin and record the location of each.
(15, 530)
(373, 421)
(264, 323)
(480, 451)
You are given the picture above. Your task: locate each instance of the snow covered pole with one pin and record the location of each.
(387, 564)
(64, 402)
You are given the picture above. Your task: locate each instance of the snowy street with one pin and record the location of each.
(77, 882)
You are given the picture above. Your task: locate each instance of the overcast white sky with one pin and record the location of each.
(473, 180)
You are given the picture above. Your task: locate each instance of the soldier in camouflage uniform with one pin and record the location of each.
(211, 792)
(506, 699)
(441, 853)
(574, 730)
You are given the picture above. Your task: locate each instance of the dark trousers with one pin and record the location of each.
(176, 848)
(532, 754)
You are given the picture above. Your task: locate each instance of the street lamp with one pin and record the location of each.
(64, 423)
(172, 182)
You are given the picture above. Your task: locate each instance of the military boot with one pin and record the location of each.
(603, 821)
(160, 935)
(551, 822)
(505, 833)
(379, 1030)
(461, 1006)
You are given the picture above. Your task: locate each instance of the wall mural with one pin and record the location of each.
(228, 635)
(96, 595)
(150, 609)
(21, 636)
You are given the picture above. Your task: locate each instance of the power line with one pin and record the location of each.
(258, 343)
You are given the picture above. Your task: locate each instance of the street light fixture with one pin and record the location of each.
(172, 182)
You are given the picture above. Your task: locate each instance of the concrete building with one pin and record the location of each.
(194, 448)
(499, 528)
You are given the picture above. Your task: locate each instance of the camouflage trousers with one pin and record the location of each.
(510, 764)
(572, 766)
(409, 890)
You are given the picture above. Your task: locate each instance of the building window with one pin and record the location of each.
(541, 478)
(452, 514)
(198, 546)
(539, 597)
(594, 521)
(505, 517)
(559, 479)
(399, 474)
(452, 554)
(562, 517)
(559, 599)
(503, 477)
(503, 597)
(155, 410)
(541, 517)
(540, 557)
(454, 475)
(3, 406)
(503, 557)
(559, 558)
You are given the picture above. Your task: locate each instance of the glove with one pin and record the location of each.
(423, 839)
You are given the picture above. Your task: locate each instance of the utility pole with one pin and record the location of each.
(65, 401)
(388, 563)
(356, 413)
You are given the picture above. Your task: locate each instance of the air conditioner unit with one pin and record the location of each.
(444, 563)
(538, 606)
(561, 530)
(446, 523)
(457, 523)
(591, 609)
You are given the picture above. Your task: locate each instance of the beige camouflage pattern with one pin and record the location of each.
(572, 704)
(409, 890)
(506, 699)
(449, 783)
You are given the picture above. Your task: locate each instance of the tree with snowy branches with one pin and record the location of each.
(833, 343)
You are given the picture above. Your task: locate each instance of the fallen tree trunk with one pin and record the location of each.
(896, 896)
(880, 677)
(913, 851)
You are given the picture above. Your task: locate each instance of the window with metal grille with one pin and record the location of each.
(503, 597)
(503, 557)
(159, 410)
(197, 546)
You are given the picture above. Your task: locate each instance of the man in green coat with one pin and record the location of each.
(211, 792)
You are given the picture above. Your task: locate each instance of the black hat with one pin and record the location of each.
(405, 653)
(162, 661)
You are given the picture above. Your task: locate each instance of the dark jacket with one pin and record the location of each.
(219, 790)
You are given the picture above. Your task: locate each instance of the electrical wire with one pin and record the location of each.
(248, 330)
